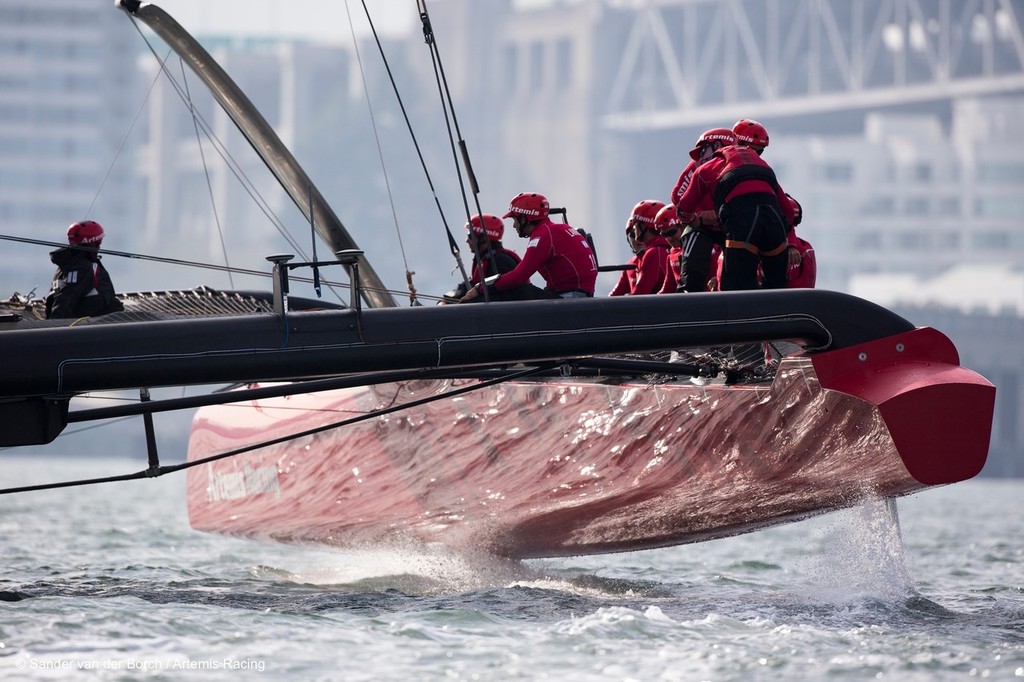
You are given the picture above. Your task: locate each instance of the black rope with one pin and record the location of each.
(186, 263)
(154, 472)
(206, 173)
(452, 243)
(221, 149)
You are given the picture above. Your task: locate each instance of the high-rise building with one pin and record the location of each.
(67, 101)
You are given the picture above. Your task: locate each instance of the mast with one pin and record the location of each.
(264, 141)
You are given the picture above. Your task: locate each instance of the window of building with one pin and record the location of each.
(868, 241)
(837, 171)
(912, 239)
(921, 172)
(948, 206)
(1001, 173)
(947, 240)
(536, 67)
(563, 64)
(994, 240)
(879, 206)
(917, 206)
(510, 68)
(999, 207)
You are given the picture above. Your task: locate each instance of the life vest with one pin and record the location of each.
(741, 164)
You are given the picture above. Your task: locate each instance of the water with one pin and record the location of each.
(109, 582)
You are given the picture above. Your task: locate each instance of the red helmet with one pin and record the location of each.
(87, 232)
(667, 219)
(643, 215)
(714, 138)
(531, 205)
(751, 133)
(488, 224)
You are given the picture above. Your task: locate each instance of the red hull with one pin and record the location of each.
(564, 467)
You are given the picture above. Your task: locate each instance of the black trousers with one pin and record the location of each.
(755, 235)
(695, 267)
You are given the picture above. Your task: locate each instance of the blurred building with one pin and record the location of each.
(67, 102)
(911, 194)
(208, 197)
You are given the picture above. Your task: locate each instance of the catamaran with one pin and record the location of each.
(520, 429)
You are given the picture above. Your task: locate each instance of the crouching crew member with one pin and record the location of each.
(81, 286)
(484, 233)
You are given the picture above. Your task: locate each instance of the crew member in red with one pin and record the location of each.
(754, 211)
(483, 235)
(653, 266)
(560, 253)
(81, 286)
(750, 133)
(802, 273)
(669, 226)
(628, 276)
(703, 227)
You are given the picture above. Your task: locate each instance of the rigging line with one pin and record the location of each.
(452, 244)
(448, 107)
(230, 162)
(207, 266)
(168, 469)
(124, 140)
(380, 151)
(206, 172)
(140, 256)
(222, 151)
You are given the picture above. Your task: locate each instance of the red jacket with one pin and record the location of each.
(731, 172)
(684, 181)
(675, 267)
(560, 254)
(653, 267)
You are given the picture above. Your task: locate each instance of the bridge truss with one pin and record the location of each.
(687, 62)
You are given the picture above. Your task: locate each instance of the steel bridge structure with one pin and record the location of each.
(689, 62)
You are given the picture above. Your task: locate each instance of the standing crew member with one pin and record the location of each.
(703, 230)
(81, 286)
(558, 252)
(750, 133)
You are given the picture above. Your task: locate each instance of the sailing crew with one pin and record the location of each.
(490, 257)
(559, 252)
(669, 226)
(750, 133)
(704, 230)
(81, 286)
(653, 266)
(754, 211)
(802, 273)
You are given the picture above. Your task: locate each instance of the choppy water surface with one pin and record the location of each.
(110, 579)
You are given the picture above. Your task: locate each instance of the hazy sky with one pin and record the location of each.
(292, 18)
